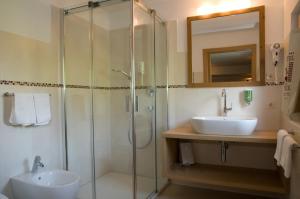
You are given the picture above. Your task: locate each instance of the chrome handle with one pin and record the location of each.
(137, 103)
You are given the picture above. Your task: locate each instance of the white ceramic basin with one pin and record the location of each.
(56, 184)
(224, 125)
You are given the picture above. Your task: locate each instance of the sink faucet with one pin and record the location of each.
(226, 109)
(36, 164)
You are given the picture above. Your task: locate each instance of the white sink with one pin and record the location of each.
(224, 125)
(56, 184)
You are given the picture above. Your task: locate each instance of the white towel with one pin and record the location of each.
(280, 137)
(22, 110)
(42, 108)
(286, 156)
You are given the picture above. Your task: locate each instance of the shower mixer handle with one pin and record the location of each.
(136, 103)
(150, 108)
(127, 103)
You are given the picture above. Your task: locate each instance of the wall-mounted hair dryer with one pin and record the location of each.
(275, 50)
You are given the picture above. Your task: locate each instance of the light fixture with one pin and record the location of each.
(206, 9)
(223, 6)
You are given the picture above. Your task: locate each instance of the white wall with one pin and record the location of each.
(29, 52)
(289, 6)
(14, 18)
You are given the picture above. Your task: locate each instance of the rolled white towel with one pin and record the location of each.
(280, 137)
(286, 156)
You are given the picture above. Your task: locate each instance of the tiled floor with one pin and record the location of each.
(184, 192)
(117, 186)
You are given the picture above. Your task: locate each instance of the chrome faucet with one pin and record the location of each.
(36, 164)
(226, 109)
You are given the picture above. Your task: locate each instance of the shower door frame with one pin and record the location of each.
(89, 6)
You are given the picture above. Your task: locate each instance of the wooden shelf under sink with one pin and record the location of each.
(236, 179)
(263, 137)
(261, 182)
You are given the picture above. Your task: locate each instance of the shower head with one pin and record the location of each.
(122, 72)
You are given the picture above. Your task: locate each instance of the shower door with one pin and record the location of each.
(161, 82)
(97, 98)
(78, 99)
(112, 108)
(144, 114)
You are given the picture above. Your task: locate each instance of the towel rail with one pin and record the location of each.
(7, 94)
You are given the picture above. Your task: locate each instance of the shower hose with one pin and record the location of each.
(149, 140)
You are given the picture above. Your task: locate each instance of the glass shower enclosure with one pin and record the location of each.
(115, 98)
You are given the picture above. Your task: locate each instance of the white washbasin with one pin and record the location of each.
(224, 125)
(56, 184)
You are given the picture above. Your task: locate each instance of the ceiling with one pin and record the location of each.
(229, 23)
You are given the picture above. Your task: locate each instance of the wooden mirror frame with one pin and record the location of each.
(261, 11)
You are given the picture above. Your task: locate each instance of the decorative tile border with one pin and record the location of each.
(77, 86)
(274, 84)
(33, 84)
(178, 86)
(267, 84)
(55, 85)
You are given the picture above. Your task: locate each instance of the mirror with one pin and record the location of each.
(230, 64)
(227, 49)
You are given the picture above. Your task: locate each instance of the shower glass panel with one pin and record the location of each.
(161, 79)
(111, 71)
(145, 102)
(78, 99)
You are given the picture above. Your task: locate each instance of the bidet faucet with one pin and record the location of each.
(226, 109)
(36, 164)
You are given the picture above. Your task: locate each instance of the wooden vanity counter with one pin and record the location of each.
(263, 137)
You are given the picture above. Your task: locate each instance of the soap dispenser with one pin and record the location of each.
(248, 96)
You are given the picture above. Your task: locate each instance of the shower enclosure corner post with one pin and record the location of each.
(92, 85)
(153, 12)
(63, 90)
(133, 101)
(167, 71)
